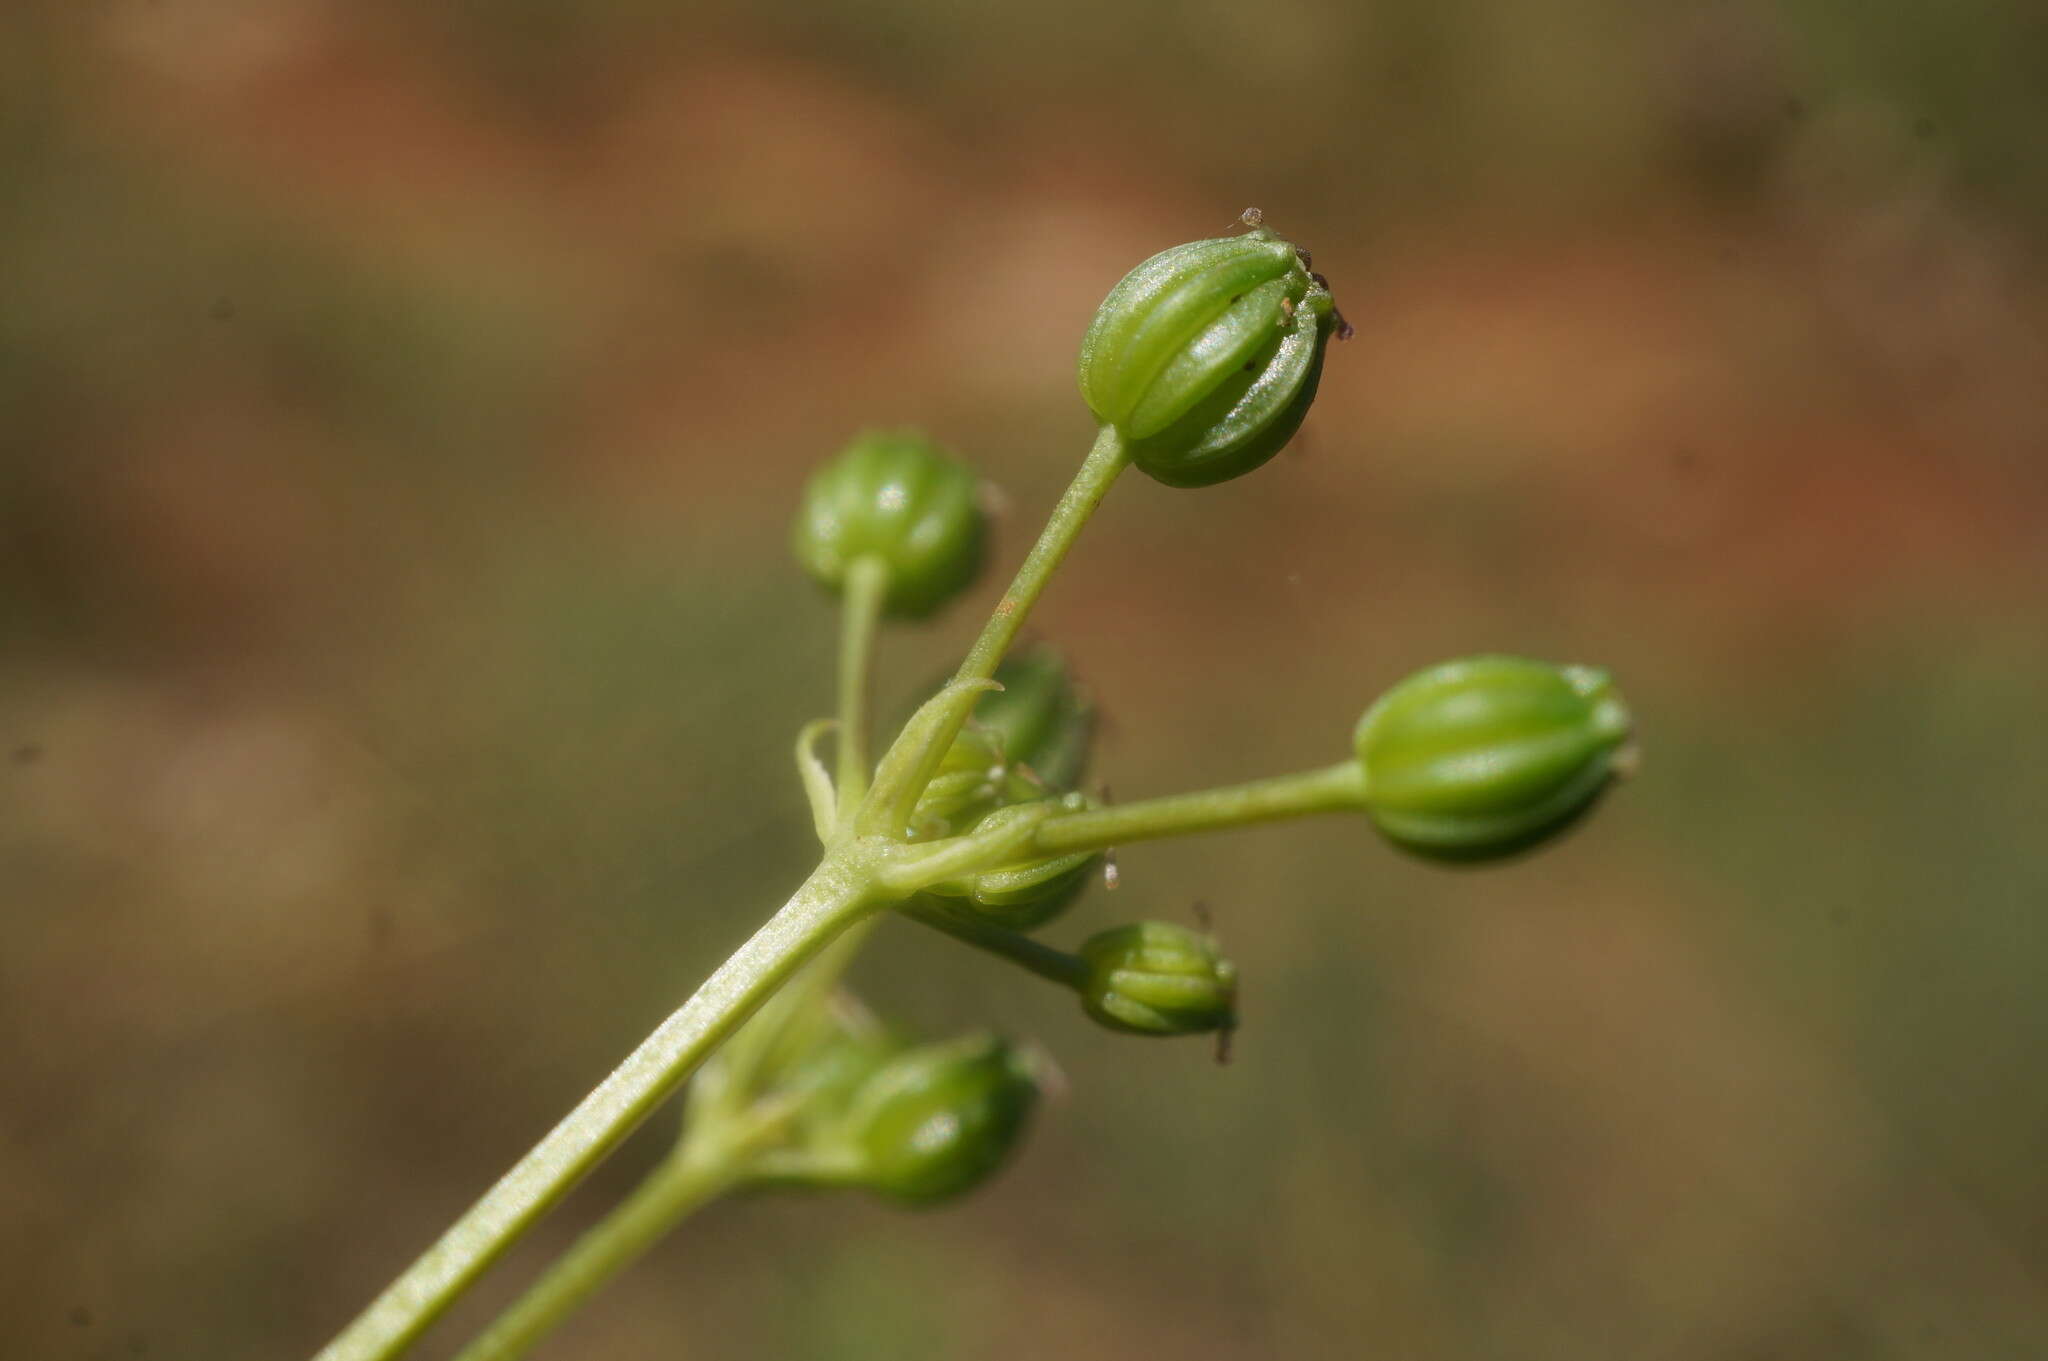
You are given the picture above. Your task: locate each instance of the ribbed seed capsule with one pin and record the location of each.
(937, 1120)
(1040, 719)
(826, 1060)
(1025, 741)
(1485, 756)
(897, 498)
(1154, 978)
(1027, 895)
(972, 780)
(1206, 357)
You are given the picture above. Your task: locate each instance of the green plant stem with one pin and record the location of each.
(738, 1063)
(1334, 789)
(1069, 971)
(683, 1183)
(867, 582)
(658, 1205)
(1098, 473)
(833, 897)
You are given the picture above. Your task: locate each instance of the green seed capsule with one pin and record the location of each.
(973, 779)
(1485, 756)
(1206, 357)
(1025, 896)
(827, 1063)
(1040, 720)
(1154, 978)
(896, 498)
(1024, 742)
(937, 1120)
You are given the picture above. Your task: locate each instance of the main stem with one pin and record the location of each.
(682, 1184)
(831, 899)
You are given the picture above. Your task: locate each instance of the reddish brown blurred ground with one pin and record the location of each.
(400, 656)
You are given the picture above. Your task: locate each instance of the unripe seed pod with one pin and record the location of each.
(972, 780)
(1155, 978)
(1025, 741)
(937, 1120)
(834, 1058)
(1025, 896)
(894, 497)
(1206, 357)
(1485, 756)
(1040, 719)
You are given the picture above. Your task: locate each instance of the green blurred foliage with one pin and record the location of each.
(401, 409)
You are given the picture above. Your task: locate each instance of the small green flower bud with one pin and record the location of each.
(1206, 357)
(897, 498)
(1154, 978)
(1485, 756)
(1025, 896)
(937, 1120)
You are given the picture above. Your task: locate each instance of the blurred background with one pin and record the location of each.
(401, 410)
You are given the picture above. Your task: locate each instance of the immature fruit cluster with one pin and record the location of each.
(1485, 756)
(1203, 361)
(895, 498)
(1206, 357)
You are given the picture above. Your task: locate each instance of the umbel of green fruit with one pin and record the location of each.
(895, 498)
(1206, 357)
(1485, 756)
(1154, 978)
(939, 1119)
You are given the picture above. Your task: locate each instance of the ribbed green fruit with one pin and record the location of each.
(1154, 978)
(895, 497)
(1041, 719)
(1486, 756)
(939, 1119)
(1026, 741)
(1026, 895)
(1205, 358)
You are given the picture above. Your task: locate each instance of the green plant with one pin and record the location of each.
(1199, 366)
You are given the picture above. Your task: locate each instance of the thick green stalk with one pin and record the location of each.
(625, 1235)
(1069, 971)
(867, 581)
(831, 899)
(683, 1183)
(739, 1060)
(1334, 789)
